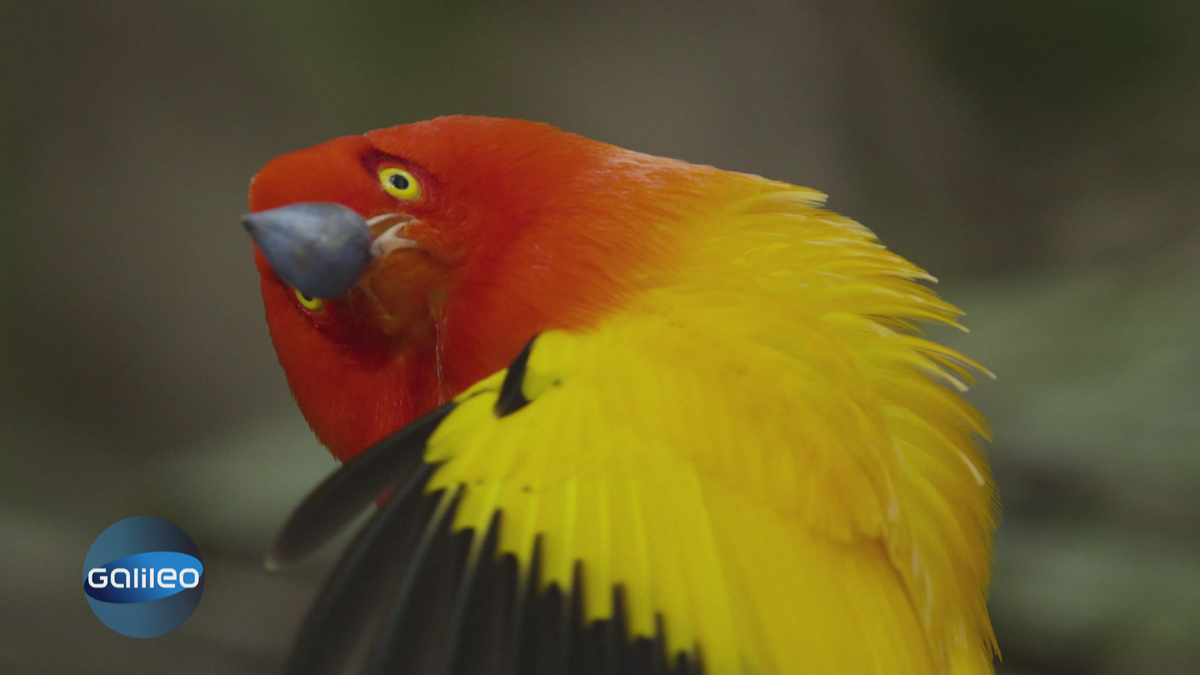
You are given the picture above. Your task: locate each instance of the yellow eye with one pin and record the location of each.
(311, 304)
(399, 183)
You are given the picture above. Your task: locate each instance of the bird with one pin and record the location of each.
(615, 413)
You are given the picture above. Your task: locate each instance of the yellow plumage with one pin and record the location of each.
(758, 449)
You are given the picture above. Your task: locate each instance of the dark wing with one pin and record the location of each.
(421, 598)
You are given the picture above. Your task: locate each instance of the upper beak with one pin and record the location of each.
(320, 249)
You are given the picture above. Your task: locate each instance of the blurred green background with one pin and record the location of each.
(1041, 158)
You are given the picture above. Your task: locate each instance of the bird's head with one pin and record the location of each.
(401, 266)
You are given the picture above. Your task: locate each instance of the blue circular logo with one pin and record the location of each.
(143, 577)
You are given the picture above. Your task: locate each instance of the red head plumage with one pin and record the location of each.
(519, 228)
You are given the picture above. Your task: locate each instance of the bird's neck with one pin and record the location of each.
(364, 405)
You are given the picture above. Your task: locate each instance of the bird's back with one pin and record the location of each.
(758, 452)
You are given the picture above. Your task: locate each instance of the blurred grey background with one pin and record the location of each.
(1041, 158)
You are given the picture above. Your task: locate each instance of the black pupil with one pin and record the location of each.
(398, 181)
(306, 298)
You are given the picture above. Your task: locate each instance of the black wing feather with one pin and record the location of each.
(414, 629)
(511, 399)
(480, 624)
(351, 596)
(340, 498)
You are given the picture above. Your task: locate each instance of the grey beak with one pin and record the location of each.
(320, 249)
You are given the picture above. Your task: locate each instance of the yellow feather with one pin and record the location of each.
(759, 450)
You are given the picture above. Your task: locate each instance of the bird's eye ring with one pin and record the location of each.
(399, 183)
(311, 304)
